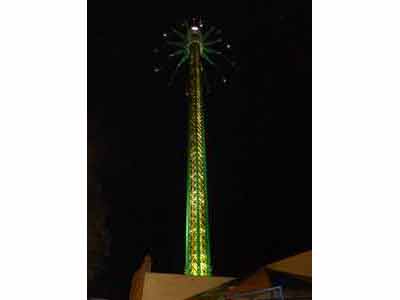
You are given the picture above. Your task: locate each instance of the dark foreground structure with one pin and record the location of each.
(290, 278)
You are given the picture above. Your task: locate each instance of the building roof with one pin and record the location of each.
(177, 286)
(294, 273)
(300, 265)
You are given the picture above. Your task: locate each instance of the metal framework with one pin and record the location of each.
(198, 260)
(195, 45)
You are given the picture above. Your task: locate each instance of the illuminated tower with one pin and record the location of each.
(194, 47)
(198, 260)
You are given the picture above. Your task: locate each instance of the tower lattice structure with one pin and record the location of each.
(198, 257)
(193, 48)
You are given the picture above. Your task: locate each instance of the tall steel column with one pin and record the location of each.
(192, 47)
(198, 260)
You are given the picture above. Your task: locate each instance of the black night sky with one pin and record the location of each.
(258, 137)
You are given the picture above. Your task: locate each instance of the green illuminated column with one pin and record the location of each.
(198, 260)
